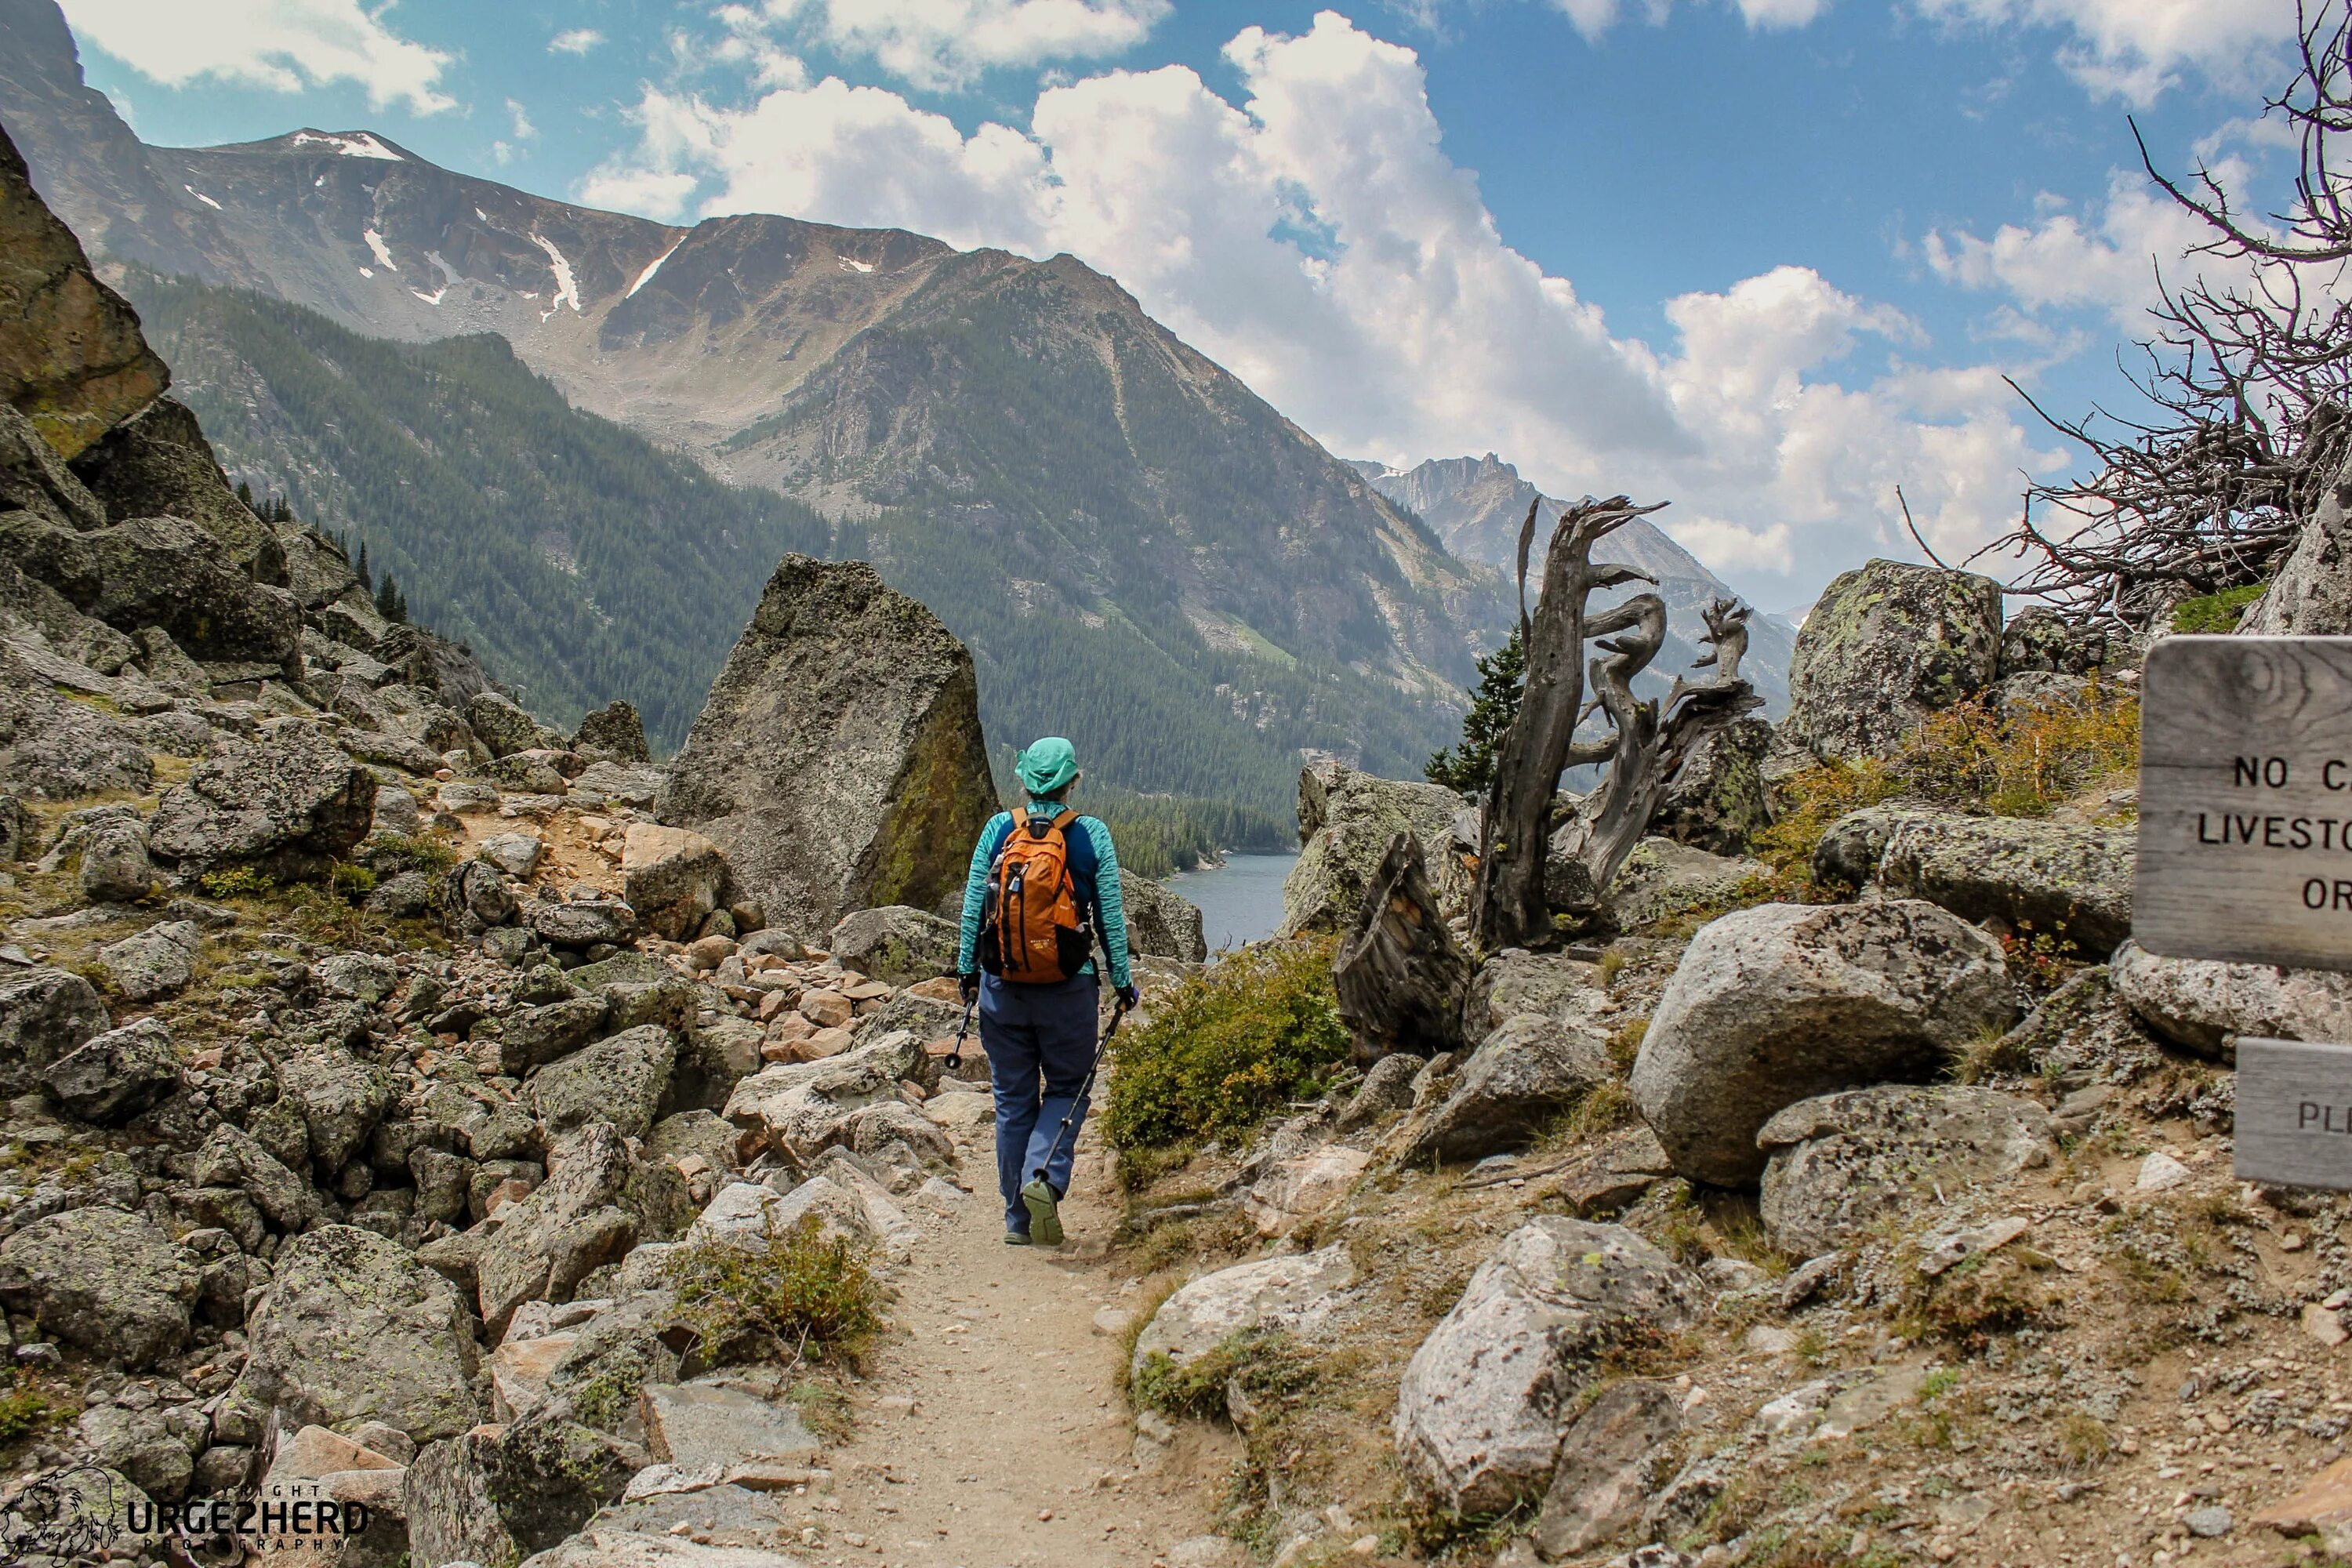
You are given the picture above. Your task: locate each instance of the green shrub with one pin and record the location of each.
(2216, 613)
(235, 882)
(1263, 1363)
(390, 854)
(1232, 1044)
(352, 881)
(795, 1296)
(26, 1412)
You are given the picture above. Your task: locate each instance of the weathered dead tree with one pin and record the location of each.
(1652, 740)
(1508, 908)
(2249, 371)
(1402, 976)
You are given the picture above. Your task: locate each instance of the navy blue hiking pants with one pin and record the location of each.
(1040, 1041)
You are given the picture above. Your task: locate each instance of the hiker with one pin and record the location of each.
(1043, 887)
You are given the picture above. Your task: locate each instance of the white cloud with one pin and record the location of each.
(2134, 49)
(939, 44)
(282, 45)
(574, 41)
(1314, 238)
(503, 152)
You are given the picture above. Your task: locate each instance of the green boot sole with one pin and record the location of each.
(1044, 1213)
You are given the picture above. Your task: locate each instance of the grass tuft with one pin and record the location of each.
(791, 1297)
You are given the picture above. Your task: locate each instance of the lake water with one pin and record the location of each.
(1240, 901)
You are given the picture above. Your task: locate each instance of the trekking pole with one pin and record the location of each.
(1085, 1088)
(955, 1052)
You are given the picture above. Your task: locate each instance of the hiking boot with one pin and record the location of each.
(1015, 1237)
(1044, 1213)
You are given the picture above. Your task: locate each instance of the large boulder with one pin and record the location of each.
(1523, 1074)
(1298, 1294)
(160, 465)
(838, 760)
(496, 1494)
(805, 1108)
(614, 732)
(1886, 646)
(44, 1014)
(115, 1076)
(289, 803)
(105, 1280)
(1161, 923)
(896, 944)
(500, 723)
(672, 878)
(1780, 1003)
(1718, 802)
(59, 749)
(1849, 849)
(166, 572)
(2203, 1005)
(1662, 878)
(340, 1098)
(71, 357)
(620, 1081)
(1486, 1399)
(1840, 1163)
(2060, 881)
(1611, 1460)
(1346, 821)
(353, 1329)
(568, 1227)
(154, 962)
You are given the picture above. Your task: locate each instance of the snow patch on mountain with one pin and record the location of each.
(567, 293)
(648, 275)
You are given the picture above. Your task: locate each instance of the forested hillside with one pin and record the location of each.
(582, 562)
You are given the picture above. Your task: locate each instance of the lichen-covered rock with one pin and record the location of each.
(673, 878)
(353, 1329)
(496, 1494)
(341, 1100)
(838, 760)
(1886, 646)
(614, 732)
(1346, 819)
(1515, 981)
(20, 830)
(2040, 640)
(155, 963)
(115, 1076)
(290, 803)
(1847, 854)
(166, 572)
(102, 1279)
(1661, 879)
(71, 357)
(567, 1229)
(804, 1107)
(896, 944)
(1161, 922)
(1839, 1164)
(582, 922)
(503, 725)
(2203, 1005)
(1298, 1294)
(115, 868)
(1718, 802)
(1615, 1456)
(1485, 1400)
(620, 1081)
(159, 464)
(688, 1157)
(60, 750)
(531, 1037)
(1780, 1002)
(2060, 880)
(44, 1014)
(1525, 1073)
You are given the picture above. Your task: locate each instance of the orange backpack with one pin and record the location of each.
(1032, 929)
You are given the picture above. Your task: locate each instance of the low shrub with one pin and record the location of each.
(794, 1296)
(2216, 613)
(1230, 1047)
(1967, 758)
(1262, 1365)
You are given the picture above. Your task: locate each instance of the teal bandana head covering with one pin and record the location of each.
(1046, 766)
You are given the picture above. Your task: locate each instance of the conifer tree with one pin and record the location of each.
(244, 494)
(1470, 768)
(361, 566)
(388, 602)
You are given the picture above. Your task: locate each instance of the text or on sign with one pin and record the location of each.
(2246, 801)
(2295, 1113)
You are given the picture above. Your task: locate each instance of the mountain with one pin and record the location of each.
(1139, 548)
(1475, 505)
(510, 519)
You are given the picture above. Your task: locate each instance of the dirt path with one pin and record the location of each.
(1018, 1448)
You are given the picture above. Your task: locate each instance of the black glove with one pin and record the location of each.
(968, 986)
(1128, 997)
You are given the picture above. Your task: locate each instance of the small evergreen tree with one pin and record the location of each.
(388, 602)
(244, 494)
(1469, 768)
(361, 566)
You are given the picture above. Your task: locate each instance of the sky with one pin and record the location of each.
(1765, 260)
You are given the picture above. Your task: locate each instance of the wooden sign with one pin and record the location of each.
(2295, 1113)
(2246, 801)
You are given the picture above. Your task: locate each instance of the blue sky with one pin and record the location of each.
(1767, 258)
